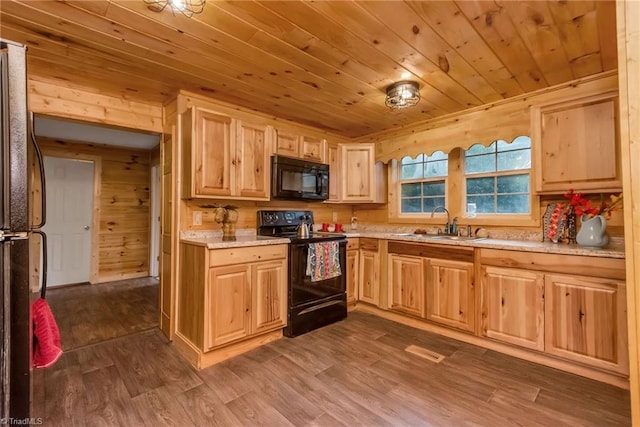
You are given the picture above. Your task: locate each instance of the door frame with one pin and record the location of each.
(95, 209)
(154, 224)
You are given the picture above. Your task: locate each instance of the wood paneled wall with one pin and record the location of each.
(505, 120)
(247, 215)
(123, 246)
(60, 101)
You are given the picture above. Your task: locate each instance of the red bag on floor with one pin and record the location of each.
(46, 348)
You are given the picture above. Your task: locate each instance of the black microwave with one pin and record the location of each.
(297, 179)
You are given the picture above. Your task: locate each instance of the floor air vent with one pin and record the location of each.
(431, 356)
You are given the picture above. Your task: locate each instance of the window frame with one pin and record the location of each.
(495, 174)
(455, 183)
(441, 178)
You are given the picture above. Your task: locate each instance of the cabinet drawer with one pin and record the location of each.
(353, 243)
(368, 244)
(218, 257)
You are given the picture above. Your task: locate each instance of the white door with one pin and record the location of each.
(69, 217)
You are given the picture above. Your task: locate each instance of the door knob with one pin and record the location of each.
(86, 227)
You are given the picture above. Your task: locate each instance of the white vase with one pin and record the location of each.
(593, 232)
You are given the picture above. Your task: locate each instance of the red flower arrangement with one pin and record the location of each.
(582, 206)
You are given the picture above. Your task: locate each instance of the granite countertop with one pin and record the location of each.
(213, 239)
(614, 250)
(247, 237)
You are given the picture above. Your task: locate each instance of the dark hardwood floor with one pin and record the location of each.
(352, 373)
(89, 314)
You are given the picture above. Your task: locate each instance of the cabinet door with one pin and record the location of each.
(406, 284)
(252, 159)
(228, 305)
(333, 159)
(451, 294)
(585, 320)
(512, 304)
(287, 144)
(212, 158)
(269, 296)
(353, 265)
(369, 277)
(313, 149)
(576, 145)
(357, 161)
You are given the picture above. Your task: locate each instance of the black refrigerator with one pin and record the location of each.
(16, 150)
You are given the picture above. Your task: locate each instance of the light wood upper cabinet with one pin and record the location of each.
(313, 148)
(451, 294)
(576, 145)
(224, 157)
(333, 159)
(406, 284)
(300, 146)
(253, 151)
(229, 305)
(586, 319)
(369, 290)
(208, 144)
(287, 144)
(512, 306)
(362, 180)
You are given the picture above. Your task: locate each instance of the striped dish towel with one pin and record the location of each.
(323, 261)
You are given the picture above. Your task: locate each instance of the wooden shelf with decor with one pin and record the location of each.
(576, 144)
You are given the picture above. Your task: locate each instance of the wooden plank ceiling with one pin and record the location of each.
(322, 63)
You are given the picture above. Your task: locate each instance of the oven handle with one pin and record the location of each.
(319, 306)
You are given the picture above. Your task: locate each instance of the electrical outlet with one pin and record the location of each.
(334, 217)
(197, 217)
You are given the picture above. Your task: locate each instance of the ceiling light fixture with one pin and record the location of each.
(187, 7)
(402, 95)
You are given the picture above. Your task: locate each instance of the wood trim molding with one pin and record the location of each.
(76, 104)
(628, 23)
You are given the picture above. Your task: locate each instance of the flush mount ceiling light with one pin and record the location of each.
(187, 7)
(402, 95)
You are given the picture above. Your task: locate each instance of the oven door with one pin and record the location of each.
(301, 289)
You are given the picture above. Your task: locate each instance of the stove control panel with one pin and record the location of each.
(284, 218)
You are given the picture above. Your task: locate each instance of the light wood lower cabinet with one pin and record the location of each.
(572, 307)
(268, 296)
(406, 284)
(451, 294)
(512, 306)
(229, 297)
(353, 266)
(585, 320)
(369, 271)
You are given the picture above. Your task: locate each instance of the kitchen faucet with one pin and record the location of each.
(442, 209)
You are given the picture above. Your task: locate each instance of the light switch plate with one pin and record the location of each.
(197, 217)
(334, 217)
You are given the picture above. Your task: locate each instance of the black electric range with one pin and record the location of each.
(311, 303)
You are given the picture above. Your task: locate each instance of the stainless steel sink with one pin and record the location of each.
(459, 238)
(438, 236)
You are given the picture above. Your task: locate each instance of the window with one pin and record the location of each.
(423, 182)
(497, 176)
